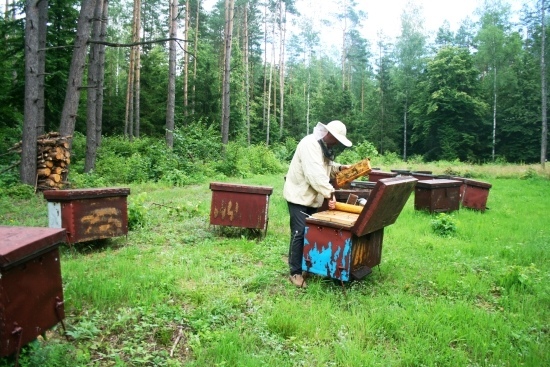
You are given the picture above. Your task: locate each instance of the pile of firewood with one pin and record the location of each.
(52, 161)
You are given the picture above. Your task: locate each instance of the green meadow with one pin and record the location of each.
(460, 289)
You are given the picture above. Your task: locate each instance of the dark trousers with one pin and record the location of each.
(298, 215)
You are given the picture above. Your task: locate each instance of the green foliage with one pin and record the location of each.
(358, 152)
(137, 211)
(54, 354)
(390, 159)
(17, 191)
(520, 277)
(182, 294)
(444, 225)
(285, 151)
(530, 173)
(448, 113)
(451, 171)
(242, 161)
(197, 143)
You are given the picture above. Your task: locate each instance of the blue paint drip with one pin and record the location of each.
(325, 259)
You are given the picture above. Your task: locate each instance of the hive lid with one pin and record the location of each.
(382, 173)
(482, 184)
(438, 183)
(250, 189)
(20, 243)
(66, 195)
(384, 205)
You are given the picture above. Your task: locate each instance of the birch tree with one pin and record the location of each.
(493, 54)
(228, 40)
(410, 50)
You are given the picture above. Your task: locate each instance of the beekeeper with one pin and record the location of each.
(307, 185)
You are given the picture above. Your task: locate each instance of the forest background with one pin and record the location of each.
(235, 75)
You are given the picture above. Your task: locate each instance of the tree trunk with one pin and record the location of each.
(544, 92)
(42, 33)
(229, 6)
(344, 50)
(137, 75)
(93, 85)
(246, 73)
(195, 54)
(101, 72)
(94, 75)
(78, 63)
(405, 108)
(186, 62)
(171, 103)
(131, 89)
(494, 111)
(265, 105)
(27, 169)
(282, 68)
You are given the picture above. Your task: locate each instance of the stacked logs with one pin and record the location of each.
(53, 159)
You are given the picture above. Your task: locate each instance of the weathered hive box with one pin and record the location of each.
(421, 176)
(236, 205)
(401, 171)
(31, 291)
(375, 175)
(89, 214)
(346, 246)
(475, 194)
(438, 195)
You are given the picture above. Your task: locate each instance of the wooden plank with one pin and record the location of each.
(335, 216)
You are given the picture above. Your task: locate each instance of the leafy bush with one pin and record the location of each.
(197, 143)
(358, 152)
(443, 225)
(530, 173)
(50, 355)
(451, 171)
(262, 160)
(137, 212)
(519, 277)
(285, 151)
(17, 191)
(87, 180)
(390, 158)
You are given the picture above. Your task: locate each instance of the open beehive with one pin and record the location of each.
(345, 245)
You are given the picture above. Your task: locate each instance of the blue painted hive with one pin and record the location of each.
(346, 246)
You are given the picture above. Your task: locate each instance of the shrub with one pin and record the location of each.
(530, 173)
(137, 212)
(519, 277)
(17, 191)
(443, 225)
(358, 152)
(197, 142)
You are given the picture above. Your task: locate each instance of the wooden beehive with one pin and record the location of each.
(344, 245)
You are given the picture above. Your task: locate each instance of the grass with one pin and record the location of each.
(178, 292)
